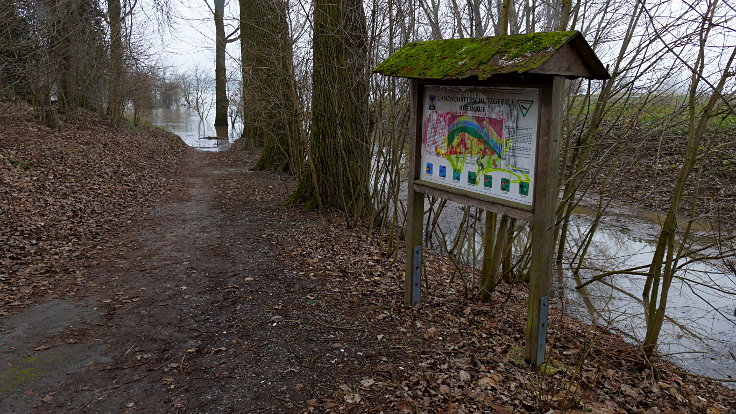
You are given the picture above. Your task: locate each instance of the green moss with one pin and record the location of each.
(24, 164)
(14, 376)
(516, 356)
(551, 367)
(481, 57)
(30, 359)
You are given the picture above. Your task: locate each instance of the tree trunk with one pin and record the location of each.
(503, 18)
(490, 269)
(565, 14)
(270, 107)
(115, 102)
(221, 101)
(340, 147)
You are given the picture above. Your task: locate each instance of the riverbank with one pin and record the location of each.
(204, 293)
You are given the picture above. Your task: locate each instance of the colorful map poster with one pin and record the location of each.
(481, 140)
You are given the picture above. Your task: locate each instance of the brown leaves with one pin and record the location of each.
(490, 381)
(61, 191)
(352, 398)
(431, 334)
(451, 354)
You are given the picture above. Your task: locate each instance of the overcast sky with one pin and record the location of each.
(190, 40)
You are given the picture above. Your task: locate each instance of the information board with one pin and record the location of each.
(481, 140)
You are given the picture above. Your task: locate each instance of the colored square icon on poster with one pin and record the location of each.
(488, 181)
(430, 168)
(443, 171)
(524, 188)
(472, 177)
(505, 184)
(455, 175)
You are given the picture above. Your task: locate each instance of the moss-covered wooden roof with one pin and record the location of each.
(556, 53)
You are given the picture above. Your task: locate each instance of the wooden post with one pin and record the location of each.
(415, 204)
(543, 222)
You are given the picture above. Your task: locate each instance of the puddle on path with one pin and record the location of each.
(26, 368)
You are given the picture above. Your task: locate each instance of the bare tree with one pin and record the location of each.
(115, 101)
(221, 41)
(664, 262)
(53, 51)
(196, 87)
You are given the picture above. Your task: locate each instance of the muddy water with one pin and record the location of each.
(700, 331)
(196, 132)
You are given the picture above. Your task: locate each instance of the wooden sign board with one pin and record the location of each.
(486, 122)
(482, 141)
(494, 147)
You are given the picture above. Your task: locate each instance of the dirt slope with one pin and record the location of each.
(61, 191)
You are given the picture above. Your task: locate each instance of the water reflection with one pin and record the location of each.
(699, 332)
(196, 132)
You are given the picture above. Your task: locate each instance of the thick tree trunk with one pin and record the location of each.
(565, 14)
(340, 147)
(221, 101)
(270, 115)
(503, 18)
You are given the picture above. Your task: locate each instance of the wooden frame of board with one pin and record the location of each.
(541, 214)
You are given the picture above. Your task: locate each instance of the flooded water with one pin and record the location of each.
(699, 332)
(197, 132)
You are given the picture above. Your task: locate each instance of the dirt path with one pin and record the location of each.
(195, 312)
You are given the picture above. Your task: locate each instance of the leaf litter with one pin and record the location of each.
(65, 192)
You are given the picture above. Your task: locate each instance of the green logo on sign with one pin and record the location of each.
(524, 105)
(472, 177)
(524, 188)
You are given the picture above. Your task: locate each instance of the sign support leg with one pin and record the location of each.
(415, 206)
(543, 222)
(414, 235)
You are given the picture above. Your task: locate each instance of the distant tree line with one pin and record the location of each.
(76, 54)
